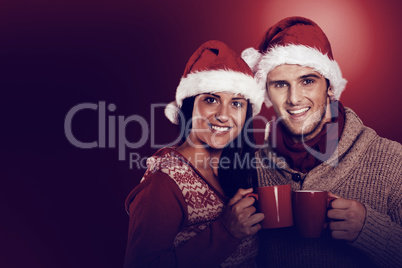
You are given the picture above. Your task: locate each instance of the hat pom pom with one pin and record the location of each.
(251, 56)
(172, 112)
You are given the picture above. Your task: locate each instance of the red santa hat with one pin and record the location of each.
(295, 40)
(214, 67)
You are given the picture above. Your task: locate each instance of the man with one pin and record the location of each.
(318, 144)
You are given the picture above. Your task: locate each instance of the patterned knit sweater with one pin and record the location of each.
(365, 167)
(175, 220)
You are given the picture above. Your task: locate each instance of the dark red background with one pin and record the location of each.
(63, 206)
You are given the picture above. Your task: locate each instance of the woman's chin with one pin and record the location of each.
(218, 145)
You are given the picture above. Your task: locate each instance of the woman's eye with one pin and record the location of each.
(210, 100)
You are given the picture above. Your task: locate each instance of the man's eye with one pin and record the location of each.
(237, 104)
(280, 85)
(210, 100)
(308, 81)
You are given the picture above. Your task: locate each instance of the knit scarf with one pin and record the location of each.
(322, 145)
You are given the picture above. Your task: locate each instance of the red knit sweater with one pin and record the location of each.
(175, 220)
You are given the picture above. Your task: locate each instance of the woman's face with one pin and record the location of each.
(218, 118)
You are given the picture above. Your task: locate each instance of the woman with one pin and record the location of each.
(188, 210)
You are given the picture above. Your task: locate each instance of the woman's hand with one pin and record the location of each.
(240, 217)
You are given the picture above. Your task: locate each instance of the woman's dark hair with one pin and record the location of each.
(235, 167)
(185, 115)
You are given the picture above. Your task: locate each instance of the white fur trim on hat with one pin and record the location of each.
(303, 56)
(214, 81)
(172, 112)
(252, 57)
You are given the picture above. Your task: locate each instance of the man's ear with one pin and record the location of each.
(330, 93)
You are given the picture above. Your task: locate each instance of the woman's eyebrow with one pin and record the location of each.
(217, 96)
(212, 94)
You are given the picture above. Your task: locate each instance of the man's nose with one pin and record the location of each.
(295, 95)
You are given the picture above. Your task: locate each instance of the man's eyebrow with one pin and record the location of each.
(310, 75)
(238, 98)
(271, 82)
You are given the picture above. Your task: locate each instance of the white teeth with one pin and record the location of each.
(299, 111)
(220, 128)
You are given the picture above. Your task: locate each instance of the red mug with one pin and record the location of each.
(310, 211)
(275, 203)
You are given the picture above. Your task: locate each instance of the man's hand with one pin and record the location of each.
(240, 217)
(347, 218)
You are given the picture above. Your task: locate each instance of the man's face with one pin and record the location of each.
(300, 98)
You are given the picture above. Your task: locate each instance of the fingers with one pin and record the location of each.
(345, 230)
(347, 217)
(239, 196)
(254, 229)
(246, 202)
(341, 203)
(333, 195)
(256, 218)
(251, 226)
(240, 215)
(244, 212)
(347, 209)
(337, 214)
(344, 226)
(343, 214)
(331, 198)
(251, 220)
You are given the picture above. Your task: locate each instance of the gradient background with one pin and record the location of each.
(62, 206)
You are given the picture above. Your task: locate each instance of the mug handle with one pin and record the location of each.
(255, 196)
(329, 200)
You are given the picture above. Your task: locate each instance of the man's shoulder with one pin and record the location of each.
(369, 135)
(384, 146)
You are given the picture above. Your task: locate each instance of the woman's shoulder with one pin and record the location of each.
(166, 158)
(165, 151)
(157, 184)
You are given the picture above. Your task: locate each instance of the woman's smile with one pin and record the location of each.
(220, 129)
(218, 118)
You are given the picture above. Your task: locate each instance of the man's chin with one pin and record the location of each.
(294, 130)
(300, 134)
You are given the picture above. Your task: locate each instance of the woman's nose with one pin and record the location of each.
(222, 114)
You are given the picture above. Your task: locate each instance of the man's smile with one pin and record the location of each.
(297, 114)
(298, 111)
